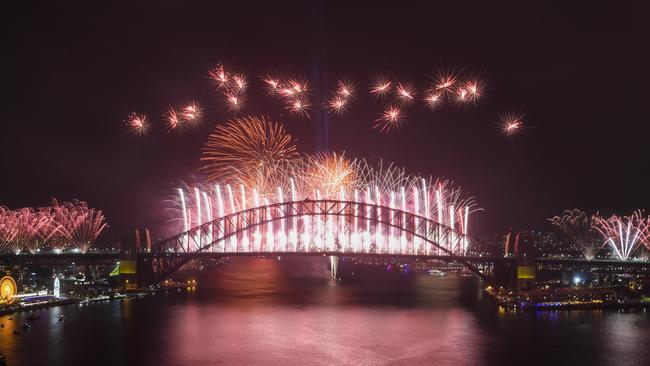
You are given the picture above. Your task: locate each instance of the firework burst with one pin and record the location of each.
(251, 149)
(578, 227)
(172, 119)
(234, 102)
(329, 173)
(293, 95)
(298, 106)
(624, 234)
(405, 93)
(338, 105)
(511, 123)
(61, 226)
(138, 124)
(332, 176)
(380, 87)
(433, 99)
(192, 112)
(391, 119)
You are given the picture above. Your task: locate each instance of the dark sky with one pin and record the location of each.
(73, 72)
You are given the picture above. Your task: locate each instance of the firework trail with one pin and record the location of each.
(624, 234)
(252, 162)
(61, 226)
(578, 227)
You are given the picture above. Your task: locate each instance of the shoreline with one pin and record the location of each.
(67, 302)
(526, 305)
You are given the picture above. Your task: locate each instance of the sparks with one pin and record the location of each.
(405, 93)
(219, 75)
(272, 84)
(239, 83)
(250, 148)
(192, 112)
(345, 89)
(445, 80)
(511, 123)
(299, 107)
(337, 105)
(233, 102)
(381, 87)
(624, 234)
(391, 119)
(578, 226)
(433, 99)
(172, 119)
(138, 124)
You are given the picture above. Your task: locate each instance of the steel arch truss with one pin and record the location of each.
(323, 226)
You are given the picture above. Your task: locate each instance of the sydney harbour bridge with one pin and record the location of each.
(328, 228)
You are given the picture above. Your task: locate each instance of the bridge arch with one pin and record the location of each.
(319, 227)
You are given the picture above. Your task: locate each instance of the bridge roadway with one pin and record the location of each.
(111, 258)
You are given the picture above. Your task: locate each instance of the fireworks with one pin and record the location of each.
(272, 84)
(138, 124)
(298, 106)
(66, 225)
(177, 117)
(405, 93)
(445, 81)
(433, 99)
(344, 94)
(338, 105)
(345, 89)
(511, 123)
(335, 177)
(234, 102)
(577, 225)
(172, 119)
(390, 119)
(250, 149)
(327, 174)
(192, 112)
(219, 76)
(239, 83)
(293, 95)
(380, 87)
(624, 234)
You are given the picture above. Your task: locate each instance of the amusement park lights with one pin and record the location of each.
(8, 290)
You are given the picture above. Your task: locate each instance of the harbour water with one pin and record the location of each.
(289, 312)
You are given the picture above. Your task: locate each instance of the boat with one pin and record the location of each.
(61, 318)
(436, 272)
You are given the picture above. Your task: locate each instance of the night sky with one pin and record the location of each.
(72, 73)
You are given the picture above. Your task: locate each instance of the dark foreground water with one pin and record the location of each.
(265, 312)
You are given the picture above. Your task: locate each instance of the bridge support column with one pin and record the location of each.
(334, 266)
(144, 270)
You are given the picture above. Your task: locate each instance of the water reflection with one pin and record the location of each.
(269, 312)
